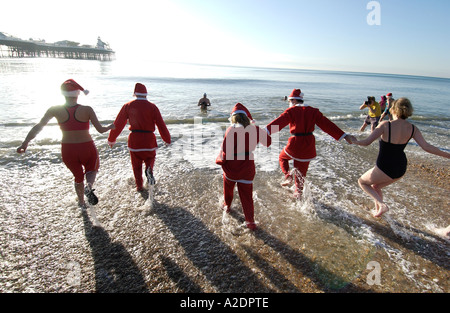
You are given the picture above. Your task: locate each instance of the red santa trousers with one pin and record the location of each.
(137, 158)
(245, 194)
(301, 166)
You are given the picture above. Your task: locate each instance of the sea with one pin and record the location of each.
(332, 227)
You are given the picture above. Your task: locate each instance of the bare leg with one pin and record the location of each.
(79, 188)
(444, 232)
(89, 192)
(90, 178)
(372, 182)
(363, 127)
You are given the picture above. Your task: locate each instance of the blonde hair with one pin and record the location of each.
(240, 118)
(402, 108)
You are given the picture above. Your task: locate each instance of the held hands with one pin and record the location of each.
(350, 139)
(108, 128)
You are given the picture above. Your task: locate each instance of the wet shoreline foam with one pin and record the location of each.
(185, 244)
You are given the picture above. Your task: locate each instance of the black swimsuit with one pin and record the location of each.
(391, 158)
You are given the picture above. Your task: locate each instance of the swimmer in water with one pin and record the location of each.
(204, 103)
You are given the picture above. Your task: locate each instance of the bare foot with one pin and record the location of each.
(226, 208)
(288, 181)
(382, 208)
(443, 232)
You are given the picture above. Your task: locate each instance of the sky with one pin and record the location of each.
(387, 36)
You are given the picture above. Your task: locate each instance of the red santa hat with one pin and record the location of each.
(140, 90)
(240, 108)
(71, 88)
(296, 94)
(389, 95)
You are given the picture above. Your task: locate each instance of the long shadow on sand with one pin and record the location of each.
(217, 262)
(115, 270)
(428, 245)
(177, 275)
(223, 268)
(326, 280)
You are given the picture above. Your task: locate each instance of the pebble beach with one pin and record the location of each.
(169, 248)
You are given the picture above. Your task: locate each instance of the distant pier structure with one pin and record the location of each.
(11, 47)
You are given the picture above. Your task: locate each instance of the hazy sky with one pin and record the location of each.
(404, 37)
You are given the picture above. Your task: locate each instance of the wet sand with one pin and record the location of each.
(172, 248)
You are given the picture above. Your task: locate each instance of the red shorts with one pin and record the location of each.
(79, 155)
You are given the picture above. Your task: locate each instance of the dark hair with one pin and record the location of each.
(241, 118)
(298, 100)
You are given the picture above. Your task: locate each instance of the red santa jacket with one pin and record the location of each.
(236, 156)
(143, 117)
(302, 120)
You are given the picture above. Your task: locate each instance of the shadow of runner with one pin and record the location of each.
(425, 244)
(177, 275)
(115, 270)
(324, 279)
(278, 279)
(217, 262)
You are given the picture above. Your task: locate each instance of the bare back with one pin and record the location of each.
(82, 114)
(401, 131)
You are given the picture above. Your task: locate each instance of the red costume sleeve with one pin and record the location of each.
(329, 127)
(279, 123)
(220, 160)
(162, 128)
(119, 123)
(264, 138)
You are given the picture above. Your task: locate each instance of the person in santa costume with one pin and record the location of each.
(301, 147)
(143, 117)
(237, 160)
(78, 150)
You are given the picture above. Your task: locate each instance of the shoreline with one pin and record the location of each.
(178, 249)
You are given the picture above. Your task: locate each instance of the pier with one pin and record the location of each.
(11, 47)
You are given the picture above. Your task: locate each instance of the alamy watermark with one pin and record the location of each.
(374, 277)
(74, 276)
(374, 16)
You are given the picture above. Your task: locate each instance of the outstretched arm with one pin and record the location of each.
(36, 130)
(101, 129)
(372, 137)
(428, 147)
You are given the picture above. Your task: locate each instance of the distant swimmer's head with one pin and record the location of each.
(402, 108)
(140, 91)
(72, 89)
(204, 95)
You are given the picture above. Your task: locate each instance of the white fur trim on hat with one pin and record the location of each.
(71, 94)
(74, 93)
(239, 111)
(297, 98)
